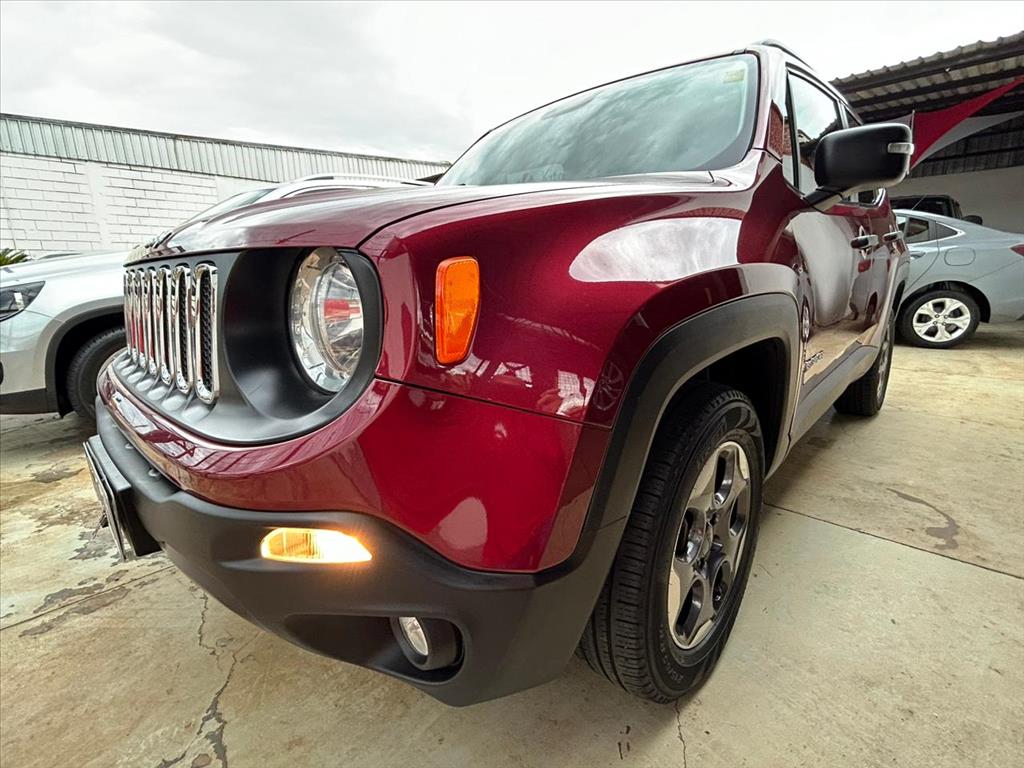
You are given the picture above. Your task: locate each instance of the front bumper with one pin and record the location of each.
(22, 354)
(517, 630)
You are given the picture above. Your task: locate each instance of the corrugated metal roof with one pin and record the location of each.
(939, 80)
(195, 154)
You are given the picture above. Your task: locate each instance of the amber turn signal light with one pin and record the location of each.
(313, 545)
(456, 306)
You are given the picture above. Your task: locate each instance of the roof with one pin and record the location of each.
(193, 154)
(941, 80)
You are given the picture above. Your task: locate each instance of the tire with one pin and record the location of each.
(646, 632)
(920, 321)
(865, 396)
(85, 367)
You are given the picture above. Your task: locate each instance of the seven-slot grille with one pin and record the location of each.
(171, 320)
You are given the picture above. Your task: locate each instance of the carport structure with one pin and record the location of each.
(968, 105)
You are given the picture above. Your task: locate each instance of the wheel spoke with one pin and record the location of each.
(960, 323)
(729, 533)
(705, 614)
(941, 334)
(703, 495)
(957, 307)
(680, 579)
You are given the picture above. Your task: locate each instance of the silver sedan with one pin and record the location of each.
(961, 274)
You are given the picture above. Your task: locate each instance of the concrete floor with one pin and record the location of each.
(883, 625)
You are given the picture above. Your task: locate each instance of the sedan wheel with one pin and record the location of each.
(940, 318)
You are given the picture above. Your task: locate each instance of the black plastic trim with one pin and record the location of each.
(676, 358)
(27, 401)
(114, 310)
(516, 630)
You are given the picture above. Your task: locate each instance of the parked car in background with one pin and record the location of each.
(61, 316)
(452, 433)
(943, 205)
(961, 274)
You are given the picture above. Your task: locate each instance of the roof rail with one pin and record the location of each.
(776, 44)
(359, 177)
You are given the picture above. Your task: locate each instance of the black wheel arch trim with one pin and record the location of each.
(53, 400)
(677, 356)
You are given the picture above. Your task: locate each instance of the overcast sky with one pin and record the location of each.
(418, 80)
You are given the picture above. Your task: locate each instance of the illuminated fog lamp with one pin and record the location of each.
(313, 545)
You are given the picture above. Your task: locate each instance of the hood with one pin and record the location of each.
(62, 266)
(348, 220)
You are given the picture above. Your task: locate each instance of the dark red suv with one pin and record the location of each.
(454, 434)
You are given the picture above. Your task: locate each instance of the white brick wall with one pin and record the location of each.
(59, 205)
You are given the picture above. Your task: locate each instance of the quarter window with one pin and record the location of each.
(914, 230)
(815, 115)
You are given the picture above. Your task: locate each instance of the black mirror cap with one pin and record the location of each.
(863, 157)
(973, 218)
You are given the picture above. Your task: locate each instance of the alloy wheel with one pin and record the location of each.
(941, 319)
(709, 545)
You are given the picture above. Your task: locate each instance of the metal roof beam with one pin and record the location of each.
(913, 93)
(1012, 46)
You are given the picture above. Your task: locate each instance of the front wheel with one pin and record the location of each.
(670, 600)
(939, 319)
(86, 366)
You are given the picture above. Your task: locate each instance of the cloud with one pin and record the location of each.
(407, 79)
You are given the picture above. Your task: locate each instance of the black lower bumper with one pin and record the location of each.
(517, 630)
(29, 401)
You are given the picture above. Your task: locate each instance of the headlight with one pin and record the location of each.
(326, 319)
(17, 297)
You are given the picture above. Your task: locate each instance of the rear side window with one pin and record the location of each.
(815, 114)
(943, 231)
(914, 230)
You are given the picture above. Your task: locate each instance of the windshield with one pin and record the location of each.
(692, 117)
(235, 201)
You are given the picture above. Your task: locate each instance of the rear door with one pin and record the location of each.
(920, 237)
(834, 245)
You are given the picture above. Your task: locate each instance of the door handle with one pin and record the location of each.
(864, 242)
(916, 254)
(891, 237)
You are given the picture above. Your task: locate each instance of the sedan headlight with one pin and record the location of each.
(326, 319)
(17, 297)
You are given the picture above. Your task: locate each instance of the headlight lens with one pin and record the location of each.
(326, 319)
(17, 297)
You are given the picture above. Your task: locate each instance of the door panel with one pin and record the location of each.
(839, 271)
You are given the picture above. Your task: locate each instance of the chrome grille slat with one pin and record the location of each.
(202, 321)
(171, 322)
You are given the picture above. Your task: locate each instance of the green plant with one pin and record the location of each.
(11, 256)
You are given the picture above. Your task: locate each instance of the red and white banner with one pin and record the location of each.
(939, 128)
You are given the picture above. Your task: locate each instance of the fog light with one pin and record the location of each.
(413, 631)
(312, 545)
(427, 643)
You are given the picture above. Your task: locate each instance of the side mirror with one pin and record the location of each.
(973, 218)
(864, 157)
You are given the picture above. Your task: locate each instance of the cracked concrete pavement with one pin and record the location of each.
(883, 623)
